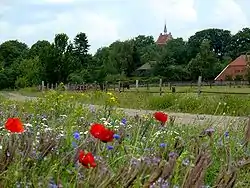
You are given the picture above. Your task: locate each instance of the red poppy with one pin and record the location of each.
(87, 160)
(106, 136)
(161, 116)
(96, 129)
(14, 125)
(101, 132)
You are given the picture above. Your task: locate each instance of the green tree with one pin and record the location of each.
(38, 48)
(31, 70)
(173, 60)
(11, 50)
(219, 39)
(80, 49)
(239, 44)
(205, 63)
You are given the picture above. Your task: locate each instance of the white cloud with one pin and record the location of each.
(100, 29)
(229, 13)
(174, 10)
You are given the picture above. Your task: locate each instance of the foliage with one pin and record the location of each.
(205, 53)
(144, 153)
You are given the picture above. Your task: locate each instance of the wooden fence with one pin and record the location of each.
(161, 87)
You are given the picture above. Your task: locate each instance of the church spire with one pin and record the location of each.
(165, 28)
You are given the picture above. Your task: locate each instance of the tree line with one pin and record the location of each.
(205, 53)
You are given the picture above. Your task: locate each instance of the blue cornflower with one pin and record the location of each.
(116, 136)
(110, 147)
(74, 144)
(226, 134)
(163, 145)
(76, 135)
(124, 121)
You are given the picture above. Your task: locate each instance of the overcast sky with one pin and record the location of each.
(105, 21)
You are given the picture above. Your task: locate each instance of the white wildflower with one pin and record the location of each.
(47, 129)
(63, 116)
(28, 125)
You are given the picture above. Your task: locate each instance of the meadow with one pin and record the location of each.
(59, 149)
(185, 102)
(234, 89)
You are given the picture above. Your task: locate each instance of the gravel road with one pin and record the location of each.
(180, 118)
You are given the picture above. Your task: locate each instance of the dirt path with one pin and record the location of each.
(16, 96)
(181, 118)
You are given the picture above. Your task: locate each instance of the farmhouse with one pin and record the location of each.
(237, 68)
(164, 37)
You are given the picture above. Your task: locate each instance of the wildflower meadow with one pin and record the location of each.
(59, 141)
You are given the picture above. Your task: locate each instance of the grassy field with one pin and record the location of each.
(142, 154)
(194, 89)
(216, 104)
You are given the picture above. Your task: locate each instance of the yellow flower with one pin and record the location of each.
(113, 99)
(110, 94)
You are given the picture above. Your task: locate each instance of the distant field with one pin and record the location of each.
(206, 90)
(188, 89)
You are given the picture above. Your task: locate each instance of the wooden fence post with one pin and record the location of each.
(137, 85)
(119, 86)
(160, 86)
(199, 85)
(42, 85)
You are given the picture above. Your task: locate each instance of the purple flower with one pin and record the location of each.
(76, 135)
(110, 147)
(116, 136)
(74, 144)
(210, 130)
(163, 145)
(124, 121)
(172, 154)
(226, 134)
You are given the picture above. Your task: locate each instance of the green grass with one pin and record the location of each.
(215, 104)
(44, 153)
(194, 89)
(234, 105)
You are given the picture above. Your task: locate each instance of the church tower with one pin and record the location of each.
(164, 37)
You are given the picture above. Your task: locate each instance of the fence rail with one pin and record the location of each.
(161, 87)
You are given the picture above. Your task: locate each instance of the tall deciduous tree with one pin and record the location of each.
(239, 44)
(205, 63)
(11, 50)
(219, 39)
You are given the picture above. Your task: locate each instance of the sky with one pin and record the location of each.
(105, 21)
